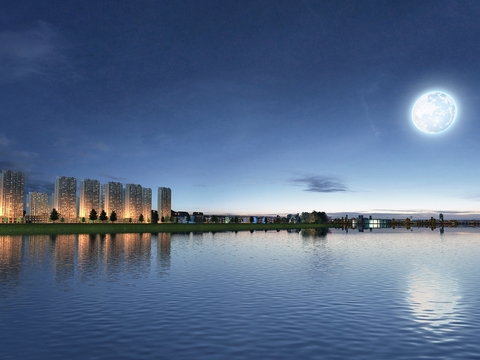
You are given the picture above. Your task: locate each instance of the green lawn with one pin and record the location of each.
(99, 228)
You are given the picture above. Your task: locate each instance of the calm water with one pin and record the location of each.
(390, 294)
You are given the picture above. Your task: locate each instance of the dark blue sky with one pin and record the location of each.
(245, 106)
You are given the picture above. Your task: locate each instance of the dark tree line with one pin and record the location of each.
(314, 217)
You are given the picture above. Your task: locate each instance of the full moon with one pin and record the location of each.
(434, 112)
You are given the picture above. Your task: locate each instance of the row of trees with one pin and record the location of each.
(54, 216)
(308, 218)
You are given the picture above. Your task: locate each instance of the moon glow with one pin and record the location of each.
(434, 112)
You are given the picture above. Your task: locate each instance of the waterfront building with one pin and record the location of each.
(164, 202)
(89, 197)
(65, 197)
(147, 204)
(198, 217)
(181, 217)
(112, 198)
(37, 204)
(133, 205)
(12, 184)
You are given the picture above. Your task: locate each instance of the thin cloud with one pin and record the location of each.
(34, 181)
(26, 155)
(100, 146)
(420, 213)
(38, 185)
(367, 115)
(12, 165)
(31, 52)
(4, 142)
(322, 184)
(111, 177)
(475, 197)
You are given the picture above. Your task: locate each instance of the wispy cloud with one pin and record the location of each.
(34, 181)
(63, 142)
(26, 155)
(39, 185)
(114, 178)
(12, 165)
(475, 196)
(414, 213)
(317, 183)
(29, 52)
(367, 115)
(100, 146)
(4, 142)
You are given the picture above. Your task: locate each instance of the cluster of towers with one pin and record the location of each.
(128, 202)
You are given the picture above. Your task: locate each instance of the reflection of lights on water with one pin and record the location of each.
(433, 299)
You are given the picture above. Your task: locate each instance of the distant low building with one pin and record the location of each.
(181, 217)
(293, 218)
(198, 217)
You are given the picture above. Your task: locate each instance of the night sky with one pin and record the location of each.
(246, 107)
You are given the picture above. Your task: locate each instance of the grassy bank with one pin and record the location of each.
(59, 228)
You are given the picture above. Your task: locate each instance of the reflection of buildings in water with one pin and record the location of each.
(117, 251)
(163, 251)
(137, 249)
(64, 256)
(88, 254)
(320, 256)
(10, 257)
(38, 248)
(433, 300)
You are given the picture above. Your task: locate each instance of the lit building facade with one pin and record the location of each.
(65, 197)
(37, 204)
(133, 205)
(12, 184)
(164, 202)
(113, 198)
(89, 197)
(147, 204)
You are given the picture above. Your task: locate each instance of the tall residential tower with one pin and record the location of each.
(65, 197)
(147, 204)
(133, 206)
(112, 198)
(11, 194)
(164, 202)
(89, 197)
(37, 204)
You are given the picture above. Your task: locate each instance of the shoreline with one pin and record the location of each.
(109, 228)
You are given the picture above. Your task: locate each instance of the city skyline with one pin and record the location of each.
(129, 202)
(270, 107)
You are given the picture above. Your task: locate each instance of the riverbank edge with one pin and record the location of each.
(108, 228)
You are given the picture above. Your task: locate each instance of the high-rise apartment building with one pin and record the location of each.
(37, 204)
(12, 185)
(112, 198)
(89, 197)
(132, 202)
(147, 204)
(65, 197)
(164, 202)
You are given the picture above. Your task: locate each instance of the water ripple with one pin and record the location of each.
(279, 295)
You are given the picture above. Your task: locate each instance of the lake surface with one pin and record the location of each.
(386, 294)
